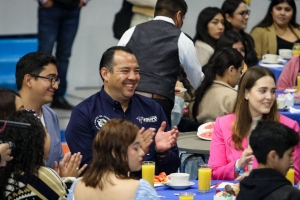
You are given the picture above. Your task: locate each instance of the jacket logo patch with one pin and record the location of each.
(147, 119)
(100, 120)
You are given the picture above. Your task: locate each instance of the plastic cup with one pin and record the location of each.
(148, 171)
(186, 196)
(290, 175)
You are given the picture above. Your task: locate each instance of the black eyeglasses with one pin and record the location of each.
(244, 13)
(53, 80)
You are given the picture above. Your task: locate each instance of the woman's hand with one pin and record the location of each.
(5, 154)
(246, 157)
(69, 166)
(241, 177)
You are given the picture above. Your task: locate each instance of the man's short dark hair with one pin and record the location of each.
(272, 135)
(107, 59)
(169, 8)
(32, 63)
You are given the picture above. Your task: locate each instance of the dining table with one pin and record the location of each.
(190, 143)
(275, 68)
(167, 193)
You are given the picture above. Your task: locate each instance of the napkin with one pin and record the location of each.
(294, 110)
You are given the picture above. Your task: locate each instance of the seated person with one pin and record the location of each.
(210, 26)
(116, 153)
(236, 19)
(288, 76)
(26, 175)
(235, 40)
(231, 155)
(272, 144)
(117, 99)
(277, 30)
(216, 95)
(37, 80)
(10, 102)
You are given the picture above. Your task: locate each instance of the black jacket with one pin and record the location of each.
(267, 184)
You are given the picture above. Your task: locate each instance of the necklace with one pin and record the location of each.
(282, 34)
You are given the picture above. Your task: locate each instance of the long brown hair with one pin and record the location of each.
(7, 102)
(243, 120)
(110, 153)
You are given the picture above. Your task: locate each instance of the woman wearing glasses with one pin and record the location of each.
(278, 30)
(237, 15)
(210, 26)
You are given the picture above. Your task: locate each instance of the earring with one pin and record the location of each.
(246, 98)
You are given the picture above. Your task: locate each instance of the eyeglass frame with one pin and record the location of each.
(244, 13)
(56, 79)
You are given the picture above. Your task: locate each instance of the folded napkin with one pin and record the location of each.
(294, 110)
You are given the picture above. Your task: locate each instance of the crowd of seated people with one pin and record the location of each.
(107, 151)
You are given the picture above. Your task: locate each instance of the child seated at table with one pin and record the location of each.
(272, 144)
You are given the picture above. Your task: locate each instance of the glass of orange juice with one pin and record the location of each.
(186, 196)
(296, 49)
(290, 175)
(148, 171)
(204, 177)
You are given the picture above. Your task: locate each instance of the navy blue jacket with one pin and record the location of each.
(91, 114)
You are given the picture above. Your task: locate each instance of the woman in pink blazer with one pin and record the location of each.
(231, 156)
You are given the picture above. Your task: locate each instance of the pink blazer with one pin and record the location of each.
(288, 76)
(223, 155)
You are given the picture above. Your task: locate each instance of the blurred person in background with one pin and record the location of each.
(278, 29)
(58, 21)
(210, 26)
(237, 14)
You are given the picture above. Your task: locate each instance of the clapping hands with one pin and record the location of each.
(165, 140)
(69, 166)
(5, 154)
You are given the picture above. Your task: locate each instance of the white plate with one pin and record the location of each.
(181, 90)
(180, 187)
(271, 62)
(202, 129)
(159, 184)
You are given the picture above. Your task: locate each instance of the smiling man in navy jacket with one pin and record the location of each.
(120, 73)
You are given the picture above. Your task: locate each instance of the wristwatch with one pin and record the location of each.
(237, 169)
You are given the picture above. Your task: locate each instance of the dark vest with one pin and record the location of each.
(155, 45)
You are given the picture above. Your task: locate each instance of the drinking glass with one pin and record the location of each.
(148, 171)
(204, 177)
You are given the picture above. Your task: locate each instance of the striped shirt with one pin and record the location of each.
(47, 185)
